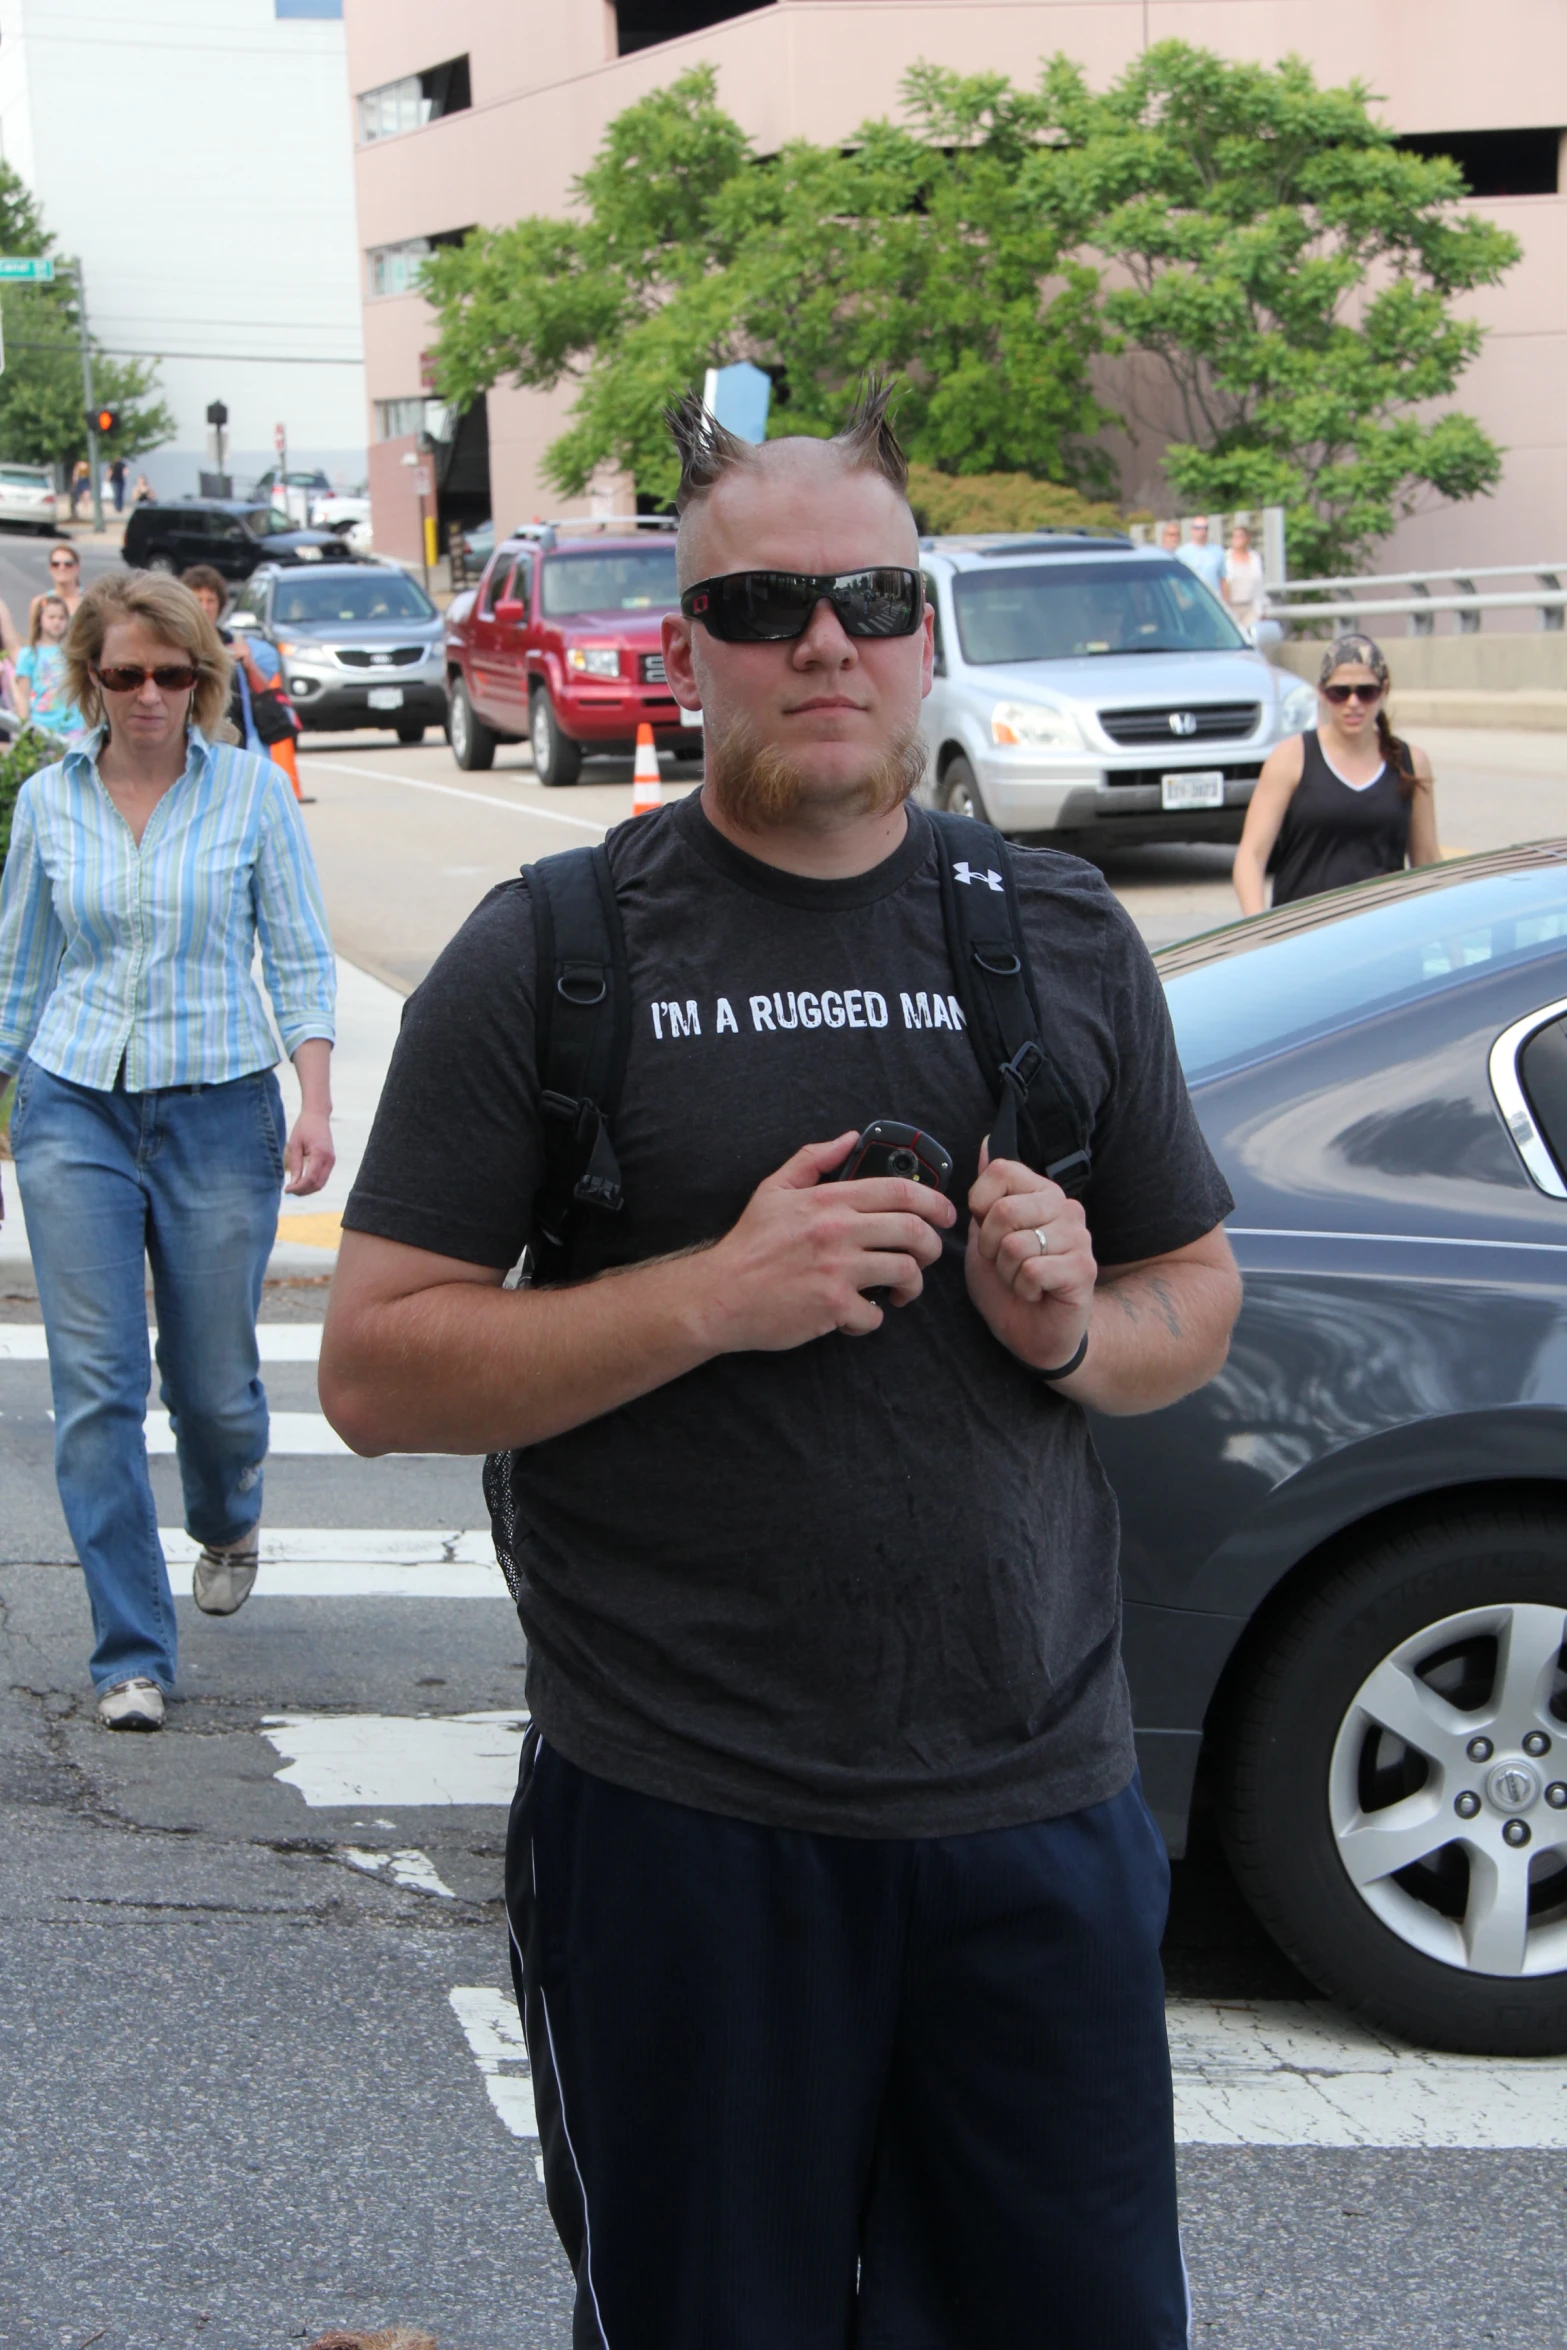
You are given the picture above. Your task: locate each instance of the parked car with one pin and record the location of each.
(478, 544)
(1345, 1560)
(1094, 692)
(561, 645)
(347, 516)
(27, 497)
(232, 534)
(361, 645)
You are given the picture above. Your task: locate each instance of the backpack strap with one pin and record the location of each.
(1041, 1116)
(583, 1024)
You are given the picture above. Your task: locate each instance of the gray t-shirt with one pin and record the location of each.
(866, 1586)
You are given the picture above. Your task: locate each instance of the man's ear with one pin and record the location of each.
(678, 666)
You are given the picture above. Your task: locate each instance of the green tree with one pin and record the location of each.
(42, 411)
(1294, 271)
(925, 248)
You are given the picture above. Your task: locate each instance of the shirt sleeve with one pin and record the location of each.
(296, 945)
(31, 938)
(1155, 1184)
(454, 1158)
(27, 663)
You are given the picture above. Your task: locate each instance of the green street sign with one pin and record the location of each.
(28, 269)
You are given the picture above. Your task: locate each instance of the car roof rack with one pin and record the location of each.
(1046, 540)
(546, 534)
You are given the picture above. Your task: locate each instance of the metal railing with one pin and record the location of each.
(1421, 607)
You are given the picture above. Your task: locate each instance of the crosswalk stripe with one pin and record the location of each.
(357, 1562)
(295, 1433)
(390, 1761)
(278, 1342)
(493, 2031)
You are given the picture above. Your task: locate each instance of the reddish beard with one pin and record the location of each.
(757, 785)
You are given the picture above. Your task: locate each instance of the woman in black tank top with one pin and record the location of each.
(1343, 804)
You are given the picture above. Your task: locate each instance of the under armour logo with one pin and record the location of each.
(965, 873)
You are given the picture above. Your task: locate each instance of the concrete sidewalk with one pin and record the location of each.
(368, 1013)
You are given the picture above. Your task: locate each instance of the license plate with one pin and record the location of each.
(1204, 789)
(390, 697)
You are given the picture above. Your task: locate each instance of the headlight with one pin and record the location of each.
(1298, 710)
(1035, 726)
(308, 554)
(594, 660)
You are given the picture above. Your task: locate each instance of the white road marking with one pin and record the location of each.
(493, 2030)
(453, 791)
(1297, 2073)
(412, 1869)
(295, 1433)
(398, 1760)
(358, 1562)
(279, 1342)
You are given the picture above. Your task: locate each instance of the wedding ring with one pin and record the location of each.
(1043, 1238)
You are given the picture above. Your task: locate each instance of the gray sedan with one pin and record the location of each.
(1094, 693)
(1345, 1561)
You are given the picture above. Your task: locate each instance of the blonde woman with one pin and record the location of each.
(144, 868)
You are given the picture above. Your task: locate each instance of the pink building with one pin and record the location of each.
(483, 110)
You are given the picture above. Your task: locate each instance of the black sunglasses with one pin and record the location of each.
(769, 607)
(130, 677)
(1338, 695)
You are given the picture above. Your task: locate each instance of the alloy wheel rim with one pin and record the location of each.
(459, 723)
(1447, 1791)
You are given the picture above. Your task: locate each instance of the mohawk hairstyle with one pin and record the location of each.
(708, 451)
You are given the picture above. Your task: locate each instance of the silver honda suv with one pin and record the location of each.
(1094, 692)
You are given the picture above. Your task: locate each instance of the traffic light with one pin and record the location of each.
(103, 421)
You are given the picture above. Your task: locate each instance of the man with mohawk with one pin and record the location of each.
(835, 1904)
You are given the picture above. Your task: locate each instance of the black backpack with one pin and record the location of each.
(584, 1029)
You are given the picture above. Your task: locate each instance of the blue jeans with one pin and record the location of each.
(188, 1178)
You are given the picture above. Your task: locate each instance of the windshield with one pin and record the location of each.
(269, 520)
(637, 579)
(1243, 1007)
(1071, 611)
(362, 595)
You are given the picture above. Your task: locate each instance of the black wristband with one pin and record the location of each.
(1065, 1370)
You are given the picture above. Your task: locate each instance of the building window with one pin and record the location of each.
(394, 269)
(417, 99)
(431, 419)
(643, 23)
(1497, 163)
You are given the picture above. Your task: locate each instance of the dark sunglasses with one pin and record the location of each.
(64, 563)
(769, 607)
(1338, 695)
(129, 678)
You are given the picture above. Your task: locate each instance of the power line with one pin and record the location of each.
(218, 358)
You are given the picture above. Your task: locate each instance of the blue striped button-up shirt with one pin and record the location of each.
(112, 953)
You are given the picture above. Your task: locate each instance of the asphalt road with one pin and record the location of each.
(258, 2071)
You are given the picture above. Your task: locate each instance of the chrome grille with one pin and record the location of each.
(384, 656)
(653, 669)
(1173, 723)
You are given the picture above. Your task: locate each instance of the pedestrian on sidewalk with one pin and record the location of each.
(1199, 555)
(145, 867)
(835, 1905)
(1344, 803)
(41, 692)
(143, 494)
(81, 487)
(117, 473)
(1242, 585)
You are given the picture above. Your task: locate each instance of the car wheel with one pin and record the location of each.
(1395, 1783)
(556, 758)
(410, 733)
(959, 793)
(473, 745)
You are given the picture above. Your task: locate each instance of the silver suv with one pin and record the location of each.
(1095, 692)
(361, 644)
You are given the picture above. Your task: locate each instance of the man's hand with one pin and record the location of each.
(798, 1262)
(1030, 1263)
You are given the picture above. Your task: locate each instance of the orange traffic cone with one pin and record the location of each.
(283, 756)
(647, 792)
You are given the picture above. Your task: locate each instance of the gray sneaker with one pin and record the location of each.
(225, 1574)
(136, 1704)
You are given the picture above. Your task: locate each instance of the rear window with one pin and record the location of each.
(1243, 1007)
(23, 477)
(366, 595)
(1077, 611)
(638, 579)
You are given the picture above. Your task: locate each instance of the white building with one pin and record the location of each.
(197, 156)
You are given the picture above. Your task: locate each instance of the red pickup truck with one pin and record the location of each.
(559, 645)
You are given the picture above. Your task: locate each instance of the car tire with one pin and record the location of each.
(160, 563)
(957, 791)
(557, 760)
(473, 745)
(1453, 1628)
(410, 733)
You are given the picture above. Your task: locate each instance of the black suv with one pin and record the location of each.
(232, 534)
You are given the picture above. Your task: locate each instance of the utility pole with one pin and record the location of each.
(89, 396)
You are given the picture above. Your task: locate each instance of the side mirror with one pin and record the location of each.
(510, 612)
(1267, 635)
(938, 666)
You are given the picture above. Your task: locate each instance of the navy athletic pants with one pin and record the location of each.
(803, 2092)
